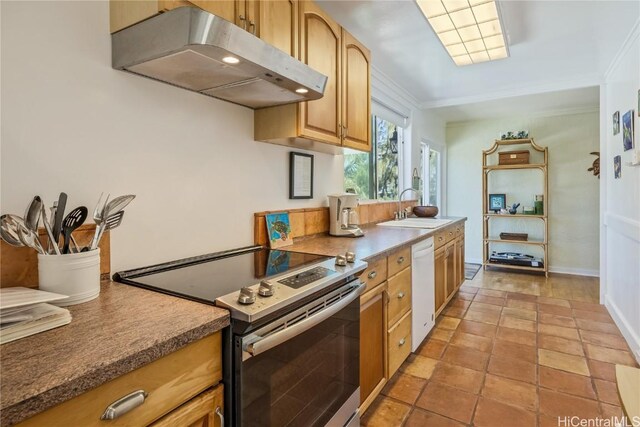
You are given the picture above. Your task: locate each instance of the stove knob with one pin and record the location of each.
(265, 289)
(247, 296)
(350, 256)
(341, 260)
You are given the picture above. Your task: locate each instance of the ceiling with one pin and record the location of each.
(554, 46)
(557, 102)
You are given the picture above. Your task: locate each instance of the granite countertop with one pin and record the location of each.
(121, 330)
(377, 241)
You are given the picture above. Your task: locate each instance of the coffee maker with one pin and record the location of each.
(343, 217)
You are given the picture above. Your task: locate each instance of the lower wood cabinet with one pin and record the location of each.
(373, 343)
(448, 265)
(452, 273)
(204, 410)
(171, 381)
(399, 290)
(399, 344)
(440, 267)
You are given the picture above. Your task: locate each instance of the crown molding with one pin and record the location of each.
(386, 86)
(626, 45)
(585, 109)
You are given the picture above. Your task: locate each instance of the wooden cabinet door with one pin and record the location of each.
(399, 291)
(460, 261)
(277, 24)
(373, 331)
(320, 48)
(440, 266)
(198, 412)
(231, 10)
(356, 93)
(451, 273)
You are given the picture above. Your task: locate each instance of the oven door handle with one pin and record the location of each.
(267, 343)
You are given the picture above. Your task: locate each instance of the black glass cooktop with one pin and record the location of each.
(208, 277)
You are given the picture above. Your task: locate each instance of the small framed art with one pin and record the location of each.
(627, 130)
(616, 122)
(497, 202)
(300, 176)
(279, 230)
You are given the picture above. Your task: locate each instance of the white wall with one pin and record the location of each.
(620, 206)
(71, 123)
(573, 198)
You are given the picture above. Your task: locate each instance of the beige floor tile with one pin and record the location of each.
(559, 331)
(517, 351)
(517, 336)
(526, 305)
(432, 348)
(481, 306)
(492, 293)
(489, 300)
(609, 355)
(562, 345)
(419, 366)
(472, 341)
(515, 393)
(586, 306)
(466, 296)
(482, 316)
(563, 361)
(521, 313)
(607, 392)
(420, 418)
(554, 301)
(557, 404)
(477, 328)
(517, 323)
(491, 413)
(555, 309)
(385, 412)
(466, 357)
(441, 334)
(602, 370)
(456, 312)
(590, 325)
(553, 319)
(596, 316)
(604, 340)
(404, 387)
(449, 323)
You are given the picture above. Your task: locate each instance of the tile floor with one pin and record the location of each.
(510, 350)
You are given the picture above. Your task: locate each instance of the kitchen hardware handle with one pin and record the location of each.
(252, 27)
(423, 252)
(400, 260)
(401, 342)
(124, 405)
(345, 131)
(244, 22)
(220, 415)
(400, 295)
(267, 343)
(372, 275)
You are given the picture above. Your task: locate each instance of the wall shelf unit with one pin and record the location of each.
(490, 229)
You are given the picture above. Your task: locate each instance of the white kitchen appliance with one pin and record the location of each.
(343, 217)
(422, 291)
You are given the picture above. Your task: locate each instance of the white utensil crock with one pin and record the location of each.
(76, 275)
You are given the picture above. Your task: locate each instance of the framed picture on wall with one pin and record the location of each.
(300, 176)
(497, 202)
(616, 122)
(627, 130)
(617, 167)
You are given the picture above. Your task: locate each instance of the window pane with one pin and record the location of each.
(387, 137)
(434, 172)
(357, 167)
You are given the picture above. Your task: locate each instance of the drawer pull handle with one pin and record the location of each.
(400, 260)
(400, 295)
(440, 238)
(220, 415)
(401, 342)
(124, 405)
(372, 275)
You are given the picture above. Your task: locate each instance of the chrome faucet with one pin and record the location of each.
(401, 214)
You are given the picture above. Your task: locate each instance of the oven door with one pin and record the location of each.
(303, 368)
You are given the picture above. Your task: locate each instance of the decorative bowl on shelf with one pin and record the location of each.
(425, 211)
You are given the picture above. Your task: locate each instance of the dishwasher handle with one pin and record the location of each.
(423, 252)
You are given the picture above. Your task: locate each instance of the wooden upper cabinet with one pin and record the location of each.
(278, 24)
(356, 97)
(320, 48)
(225, 9)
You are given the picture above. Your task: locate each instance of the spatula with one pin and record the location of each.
(71, 222)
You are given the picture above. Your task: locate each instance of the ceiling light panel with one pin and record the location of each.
(470, 30)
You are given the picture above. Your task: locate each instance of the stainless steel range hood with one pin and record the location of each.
(195, 50)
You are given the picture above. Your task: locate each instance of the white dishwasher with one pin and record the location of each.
(422, 291)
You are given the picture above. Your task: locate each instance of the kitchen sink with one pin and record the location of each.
(416, 223)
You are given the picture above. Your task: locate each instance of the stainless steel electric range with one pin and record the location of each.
(291, 354)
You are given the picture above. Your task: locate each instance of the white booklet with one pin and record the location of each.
(11, 298)
(38, 318)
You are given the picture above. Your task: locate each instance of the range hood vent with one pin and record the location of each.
(193, 49)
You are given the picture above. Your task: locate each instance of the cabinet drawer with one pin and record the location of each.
(199, 411)
(375, 274)
(399, 343)
(399, 290)
(459, 229)
(169, 382)
(450, 234)
(399, 260)
(440, 238)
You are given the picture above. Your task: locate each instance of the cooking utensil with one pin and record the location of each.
(27, 236)
(57, 224)
(71, 222)
(97, 219)
(47, 226)
(9, 231)
(32, 214)
(110, 223)
(113, 207)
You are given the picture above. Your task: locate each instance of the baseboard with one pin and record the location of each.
(473, 261)
(632, 339)
(574, 271)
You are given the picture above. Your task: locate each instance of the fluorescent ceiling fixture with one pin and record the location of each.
(470, 30)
